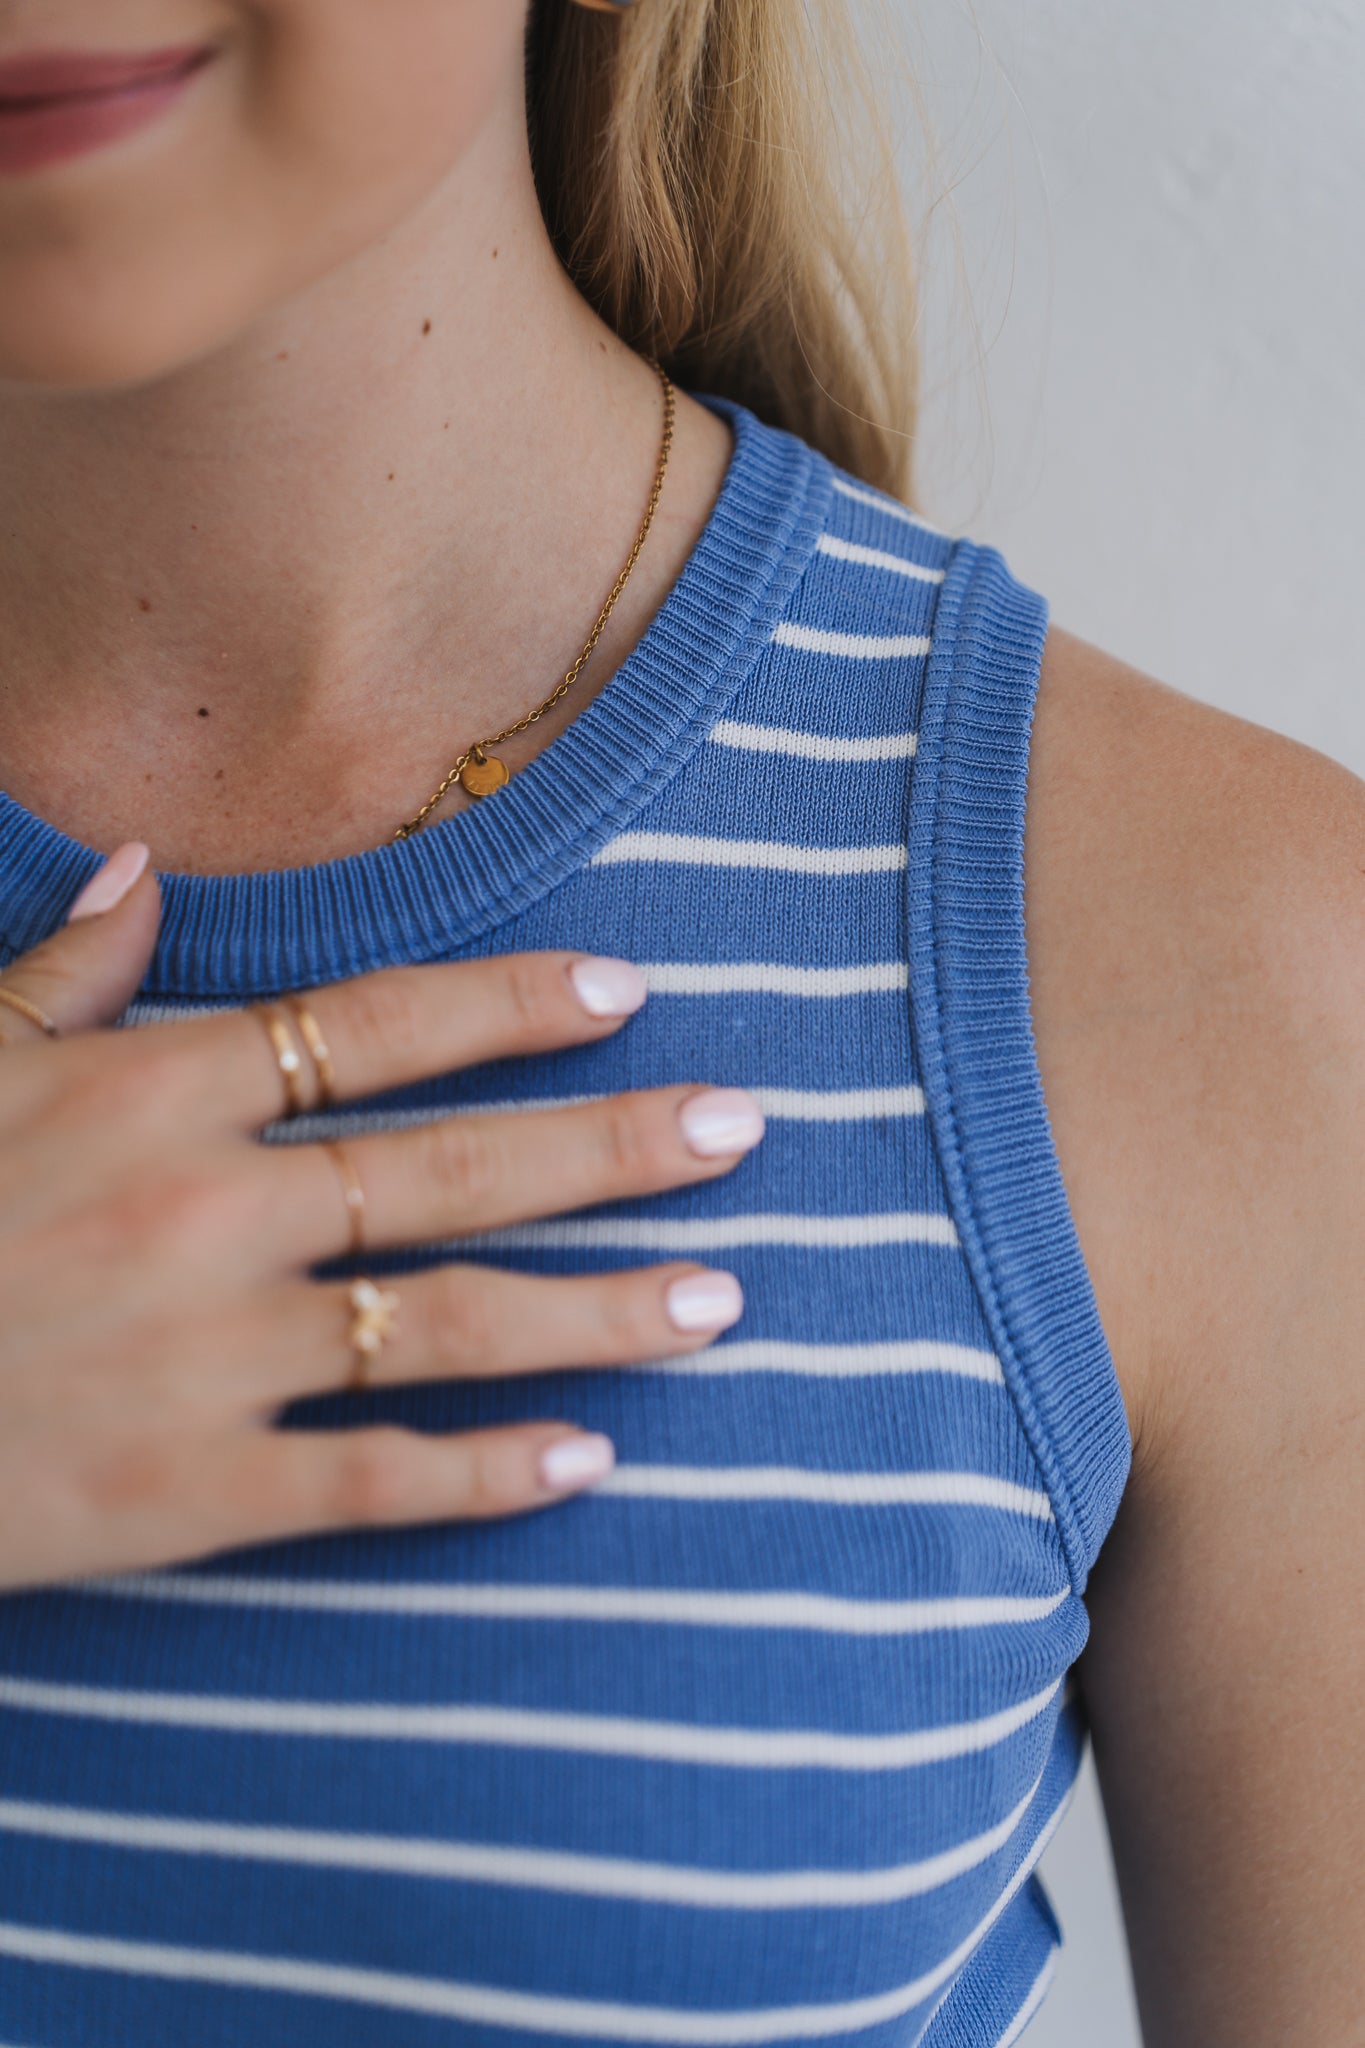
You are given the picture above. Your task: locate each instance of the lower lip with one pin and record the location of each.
(36, 133)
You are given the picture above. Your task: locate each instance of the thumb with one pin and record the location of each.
(87, 973)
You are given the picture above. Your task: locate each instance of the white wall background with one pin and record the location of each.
(1144, 330)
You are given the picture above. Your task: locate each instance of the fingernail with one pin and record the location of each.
(608, 988)
(111, 884)
(721, 1121)
(576, 1461)
(704, 1301)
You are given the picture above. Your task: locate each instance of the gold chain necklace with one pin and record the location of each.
(477, 771)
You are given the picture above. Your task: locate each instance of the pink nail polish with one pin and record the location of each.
(704, 1301)
(608, 988)
(721, 1121)
(576, 1461)
(111, 884)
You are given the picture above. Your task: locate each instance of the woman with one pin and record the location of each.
(327, 425)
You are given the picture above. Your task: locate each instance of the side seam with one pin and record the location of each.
(973, 1034)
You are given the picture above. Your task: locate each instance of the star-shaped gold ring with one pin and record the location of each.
(373, 1314)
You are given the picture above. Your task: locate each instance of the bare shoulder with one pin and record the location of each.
(1196, 925)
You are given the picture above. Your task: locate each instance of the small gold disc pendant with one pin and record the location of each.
(483, 773)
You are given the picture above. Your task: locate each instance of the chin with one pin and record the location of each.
(86, 334)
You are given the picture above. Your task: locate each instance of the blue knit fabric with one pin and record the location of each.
(760, 1741)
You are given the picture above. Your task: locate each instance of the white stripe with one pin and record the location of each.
(141, 1013)
(813, 746)
(772, 978)
(1042, 1984)
(665, 1607)
(835, 1361)
(875, 558)
(829, 1489)
(539, 1869)
(839, 1105)
(889, 506)
(638, 1233)
(676, 1742)
(531, 2012)
(693, 850)
(856, 646)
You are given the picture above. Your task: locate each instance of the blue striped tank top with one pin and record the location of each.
(761, 1741)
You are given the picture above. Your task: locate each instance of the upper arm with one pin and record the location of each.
(1196, 921)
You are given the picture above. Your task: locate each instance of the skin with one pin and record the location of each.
(235, 452)
(1196, 921)
(265, 373)
(242, 477)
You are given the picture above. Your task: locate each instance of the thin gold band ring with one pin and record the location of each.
(318, 1051)
(288, 1058)
(24, 1008)
(373, 1308)
(352, 1193)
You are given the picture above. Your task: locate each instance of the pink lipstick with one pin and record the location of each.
(55, 105)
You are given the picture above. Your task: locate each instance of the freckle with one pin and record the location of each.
(495, 255)
(426, 327)
(148, 776)
(193, 528)
(447, 427)
(219, 776)
(144, 604)
(283, 356)
(391, 476)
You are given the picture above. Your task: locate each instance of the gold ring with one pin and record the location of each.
(288, 1058)
(373, 1313)
(353, 1193)
(25, 1008)
(318, 1051)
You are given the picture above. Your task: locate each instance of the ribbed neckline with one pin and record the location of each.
(250, 935)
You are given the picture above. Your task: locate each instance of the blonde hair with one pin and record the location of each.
(695, 161)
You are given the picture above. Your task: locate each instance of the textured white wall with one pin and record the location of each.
(1157, 228)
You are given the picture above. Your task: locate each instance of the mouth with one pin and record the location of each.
(59, 104)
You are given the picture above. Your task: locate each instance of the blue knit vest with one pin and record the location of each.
(761, 1741)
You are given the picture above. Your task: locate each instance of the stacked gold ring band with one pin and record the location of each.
(288, 1058)
(311, 1032)
(281, 1021)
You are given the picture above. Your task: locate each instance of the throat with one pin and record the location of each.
(214, 791)
(251, 724)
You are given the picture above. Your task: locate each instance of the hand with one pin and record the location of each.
(154, 1257)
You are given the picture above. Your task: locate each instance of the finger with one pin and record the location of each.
(474, 1322)
(474, 1173)
(88, 972)
(278, 1483)
(407, 1023)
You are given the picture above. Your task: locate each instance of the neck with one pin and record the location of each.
(251, 612)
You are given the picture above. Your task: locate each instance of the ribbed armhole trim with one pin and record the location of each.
(973, 1030)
